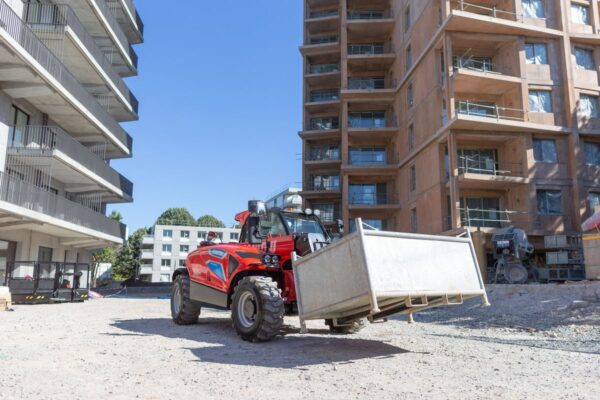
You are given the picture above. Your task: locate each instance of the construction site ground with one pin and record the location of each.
(534, 342)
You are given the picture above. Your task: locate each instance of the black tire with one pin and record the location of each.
(183, 311)
(348, 328)
(257, 309)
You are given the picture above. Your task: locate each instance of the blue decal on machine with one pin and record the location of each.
(217, 269)
(217, 253)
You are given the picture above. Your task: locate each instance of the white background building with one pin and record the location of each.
(167, 248)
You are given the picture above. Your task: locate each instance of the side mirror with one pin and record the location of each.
(257, 207)
(340, 226)
(254, 236)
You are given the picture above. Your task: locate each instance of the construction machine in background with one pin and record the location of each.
(287, 263)
(512, 252)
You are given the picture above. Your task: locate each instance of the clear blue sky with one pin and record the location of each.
(220, 86)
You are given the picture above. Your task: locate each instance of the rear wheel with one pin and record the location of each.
(347, 328)
(257, 309)
(183, 311)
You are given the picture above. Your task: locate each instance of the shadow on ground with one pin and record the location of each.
(223, 346)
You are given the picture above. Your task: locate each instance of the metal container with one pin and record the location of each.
(375, 274)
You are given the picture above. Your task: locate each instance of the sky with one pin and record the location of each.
(220, 90)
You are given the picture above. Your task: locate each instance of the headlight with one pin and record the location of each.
(275, 259)
(267, 259)
(308, 211)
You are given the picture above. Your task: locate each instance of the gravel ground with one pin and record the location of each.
(535, 342)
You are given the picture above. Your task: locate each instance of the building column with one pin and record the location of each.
(453, 179)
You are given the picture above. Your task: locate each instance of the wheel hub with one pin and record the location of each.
(247, 309)
(177, 299)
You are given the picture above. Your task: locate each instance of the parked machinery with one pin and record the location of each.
(512, 251)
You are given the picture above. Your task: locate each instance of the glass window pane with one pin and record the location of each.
(580, 14)
(584, 58)
(533, 8)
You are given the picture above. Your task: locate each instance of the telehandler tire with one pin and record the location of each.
(257, 309)
(346, 329)
(183, 310)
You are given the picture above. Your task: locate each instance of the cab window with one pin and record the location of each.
(271, 224)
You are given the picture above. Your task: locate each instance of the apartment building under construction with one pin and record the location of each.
(433, 115)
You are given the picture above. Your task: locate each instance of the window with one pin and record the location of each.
(549, 202)
(367, 193)
(593, 201)
(202, 235)
(584, 58)
(410, 99)
(165, 263)
(272, 225)
(165, 278)
(411, 137)
(167, 233)
(326, 182)
(184, 248)
(184, 234)
(182, 263)
(363, 83)
(167, 248)
(481, 211)
(368, 224)
(413, 178)
(592, 153)
(324, 123)
(540, 101)
(588, 105)
(327, 211)
(533, 8)
(407, 20)
(413, 220)
(323, 152)
(408, 57)
(536, 53)
(19, 120)
(580, 14)
(368, 119)
(478, 161)
(544, 150)
(234, 236)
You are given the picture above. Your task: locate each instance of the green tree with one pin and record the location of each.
(106, 255)
(176, 216)
(127, 261)
(209, 221)
(116, 216)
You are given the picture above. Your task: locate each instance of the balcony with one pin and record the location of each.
(479, 16)
(322, 128)
(370, 126)
(147, 254)
(322, 156)
(322, 21)
(71, 163)
(324, 100)
(365, 162)
(48, 211)
(322, 186)
(321, 45)
(369, 25)
(476, 172)
(129, 19)
(32, 71)
(367, 89)
(326, 74)
(484, 217)
(366, 57)
(146, 269)
(58, 24)
(148, 240)
(366, 197)
(472, 73)
(481, 115)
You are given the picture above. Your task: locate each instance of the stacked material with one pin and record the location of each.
(5, 298)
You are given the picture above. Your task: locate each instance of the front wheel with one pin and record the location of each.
(183, 311)
(347, 328)
(257, 309)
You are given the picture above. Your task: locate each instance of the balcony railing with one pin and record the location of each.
(324, 186)
(481, 64)
(362, 120)
(368, 158)
(353, 15)
(321, 154)
(484, 218)
(366, 49)
(489, 110)
(34, 198)
(368, 198)
(110, 18)
(366, 83)
(324, 39)
(318, 96)
(22, 34)
(324, 123)
(46, 18)
(324, 68)
(494, 12)
(138, 20)
(41, 139)
(488, 166)
(323, 14)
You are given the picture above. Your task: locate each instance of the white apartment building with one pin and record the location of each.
(283, 198)
(62, 99)
(168, 246)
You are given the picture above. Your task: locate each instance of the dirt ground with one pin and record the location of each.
(535, 342)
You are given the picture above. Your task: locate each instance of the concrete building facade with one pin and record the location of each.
(62, 98)
(168, 246)
(434, 115)
(287, 197)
